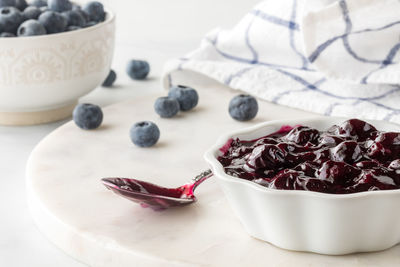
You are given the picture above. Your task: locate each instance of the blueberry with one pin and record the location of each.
(186, 96)
(76, 6)
(10, 19)
(7, 3)
(73, 28)
(74, 18)
(144, 134)
(31, 27)
(166, 107)
(243, 107)
(109, 81)
(95, 10)
(53, 22)
(87, 116)
(39, 3)
(59, 5)
(138, 69)
(7, 34)
(78, 9)
(31, 12)
(44, 9)
(90, 24)
(21, 4)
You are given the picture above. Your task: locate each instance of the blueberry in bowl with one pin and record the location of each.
(42, 81)
(327, 185)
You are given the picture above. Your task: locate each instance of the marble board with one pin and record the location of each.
(79, 215)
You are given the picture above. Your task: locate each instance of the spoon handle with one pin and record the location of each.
(201, 178)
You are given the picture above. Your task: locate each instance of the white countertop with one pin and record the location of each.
(156, 30)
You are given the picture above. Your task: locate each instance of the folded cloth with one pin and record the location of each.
(334, 57)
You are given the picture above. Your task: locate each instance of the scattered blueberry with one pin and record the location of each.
(243, 107)
(53, 22)
(59, 5)
(31, 27)
(31, 12)
(144, 134)
(95, 10)
(39, 3)
(7, 34)
(74, 18)
(109, 81)
(186, 96)
(138, 69)
(10, 19)
(166, 107)
(73, 28)
(7, 3)
(21, 4)
(87, 116)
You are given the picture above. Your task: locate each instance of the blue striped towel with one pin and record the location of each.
(334, 57)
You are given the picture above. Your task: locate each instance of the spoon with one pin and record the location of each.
(152, 196)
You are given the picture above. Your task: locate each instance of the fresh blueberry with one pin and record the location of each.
(7, 3)
(95, 10)
(21, 4)
(10, 19)
(144, 134)
(78, 9)
(166, 107)
(31, 27)
(39, 3)
(87, 116)
(76, 6)
(73, 28)
(186, 96)
(74, 18)
(243, 107)
(59, 5)
(109, 81)
(31, 12)
(138, 69)
(7, 34)
(44, 9)
(53, 22)
(90, 24)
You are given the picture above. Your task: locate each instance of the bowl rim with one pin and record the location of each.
(211, 158)
(110, 18)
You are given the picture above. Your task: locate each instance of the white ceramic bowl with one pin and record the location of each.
(42, 77)
(310, 221)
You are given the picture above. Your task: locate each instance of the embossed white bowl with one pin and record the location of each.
(310, 221)
(42, 77)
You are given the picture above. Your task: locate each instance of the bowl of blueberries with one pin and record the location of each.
(323, 185)
(52, 53)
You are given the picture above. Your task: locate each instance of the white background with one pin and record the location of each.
(155, 30)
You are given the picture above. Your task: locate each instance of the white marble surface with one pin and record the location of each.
(153, 29)
(74, 210)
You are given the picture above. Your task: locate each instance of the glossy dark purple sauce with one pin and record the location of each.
(348, 158)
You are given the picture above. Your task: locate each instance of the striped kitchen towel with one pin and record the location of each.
(334, 57)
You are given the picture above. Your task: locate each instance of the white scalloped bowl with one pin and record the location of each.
(310, 221)
(42, 77)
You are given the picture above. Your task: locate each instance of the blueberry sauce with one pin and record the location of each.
(348, 158)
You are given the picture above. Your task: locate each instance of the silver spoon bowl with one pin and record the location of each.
(153, 196)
